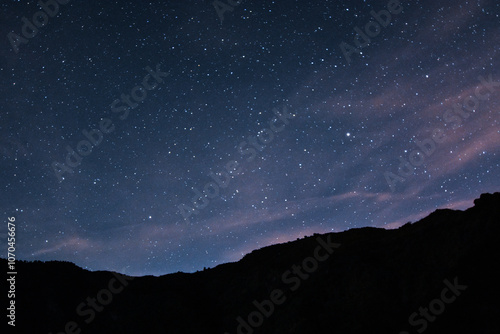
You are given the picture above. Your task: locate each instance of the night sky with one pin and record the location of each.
(275, 121)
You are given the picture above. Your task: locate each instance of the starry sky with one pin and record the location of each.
(150, 137)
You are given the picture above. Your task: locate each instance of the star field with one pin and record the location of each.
(302, 137)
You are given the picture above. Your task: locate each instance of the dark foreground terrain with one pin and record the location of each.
(439, 275)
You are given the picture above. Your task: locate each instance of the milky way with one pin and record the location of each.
(156, 137)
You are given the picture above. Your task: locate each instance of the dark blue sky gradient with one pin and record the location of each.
(326, 168)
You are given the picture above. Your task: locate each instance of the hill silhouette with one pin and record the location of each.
(438, 275)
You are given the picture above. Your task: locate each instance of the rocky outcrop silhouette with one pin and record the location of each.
(438, 275)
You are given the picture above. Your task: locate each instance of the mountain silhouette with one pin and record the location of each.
(438, 275)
